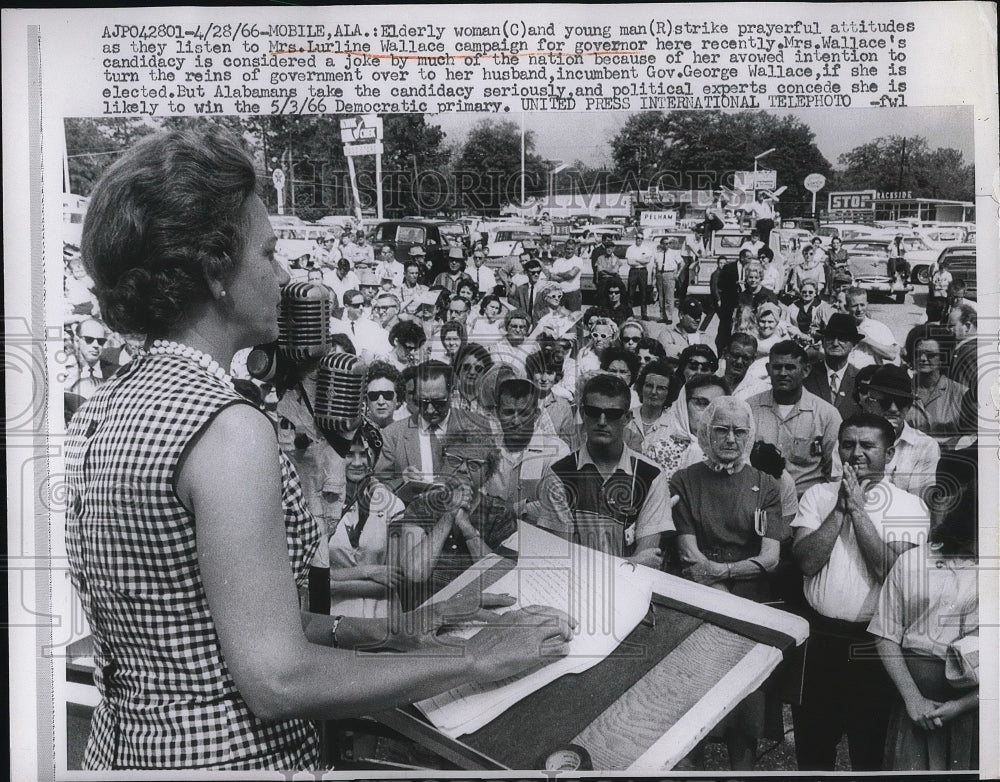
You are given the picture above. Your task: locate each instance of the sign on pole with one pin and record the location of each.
(363, 136)
(763, 179)
(814, 183)
(278, 178)
(353, 150)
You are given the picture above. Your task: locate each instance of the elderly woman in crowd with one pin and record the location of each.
(361, 580)
(617, 361)
(453, 523)
(937, 398)
(729, 528)
(771, 329)
(204, 658)
(680, 446)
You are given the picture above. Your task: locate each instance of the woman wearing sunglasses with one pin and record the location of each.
(453, 523)
(729, 528)
(186, 546)
(360, 579)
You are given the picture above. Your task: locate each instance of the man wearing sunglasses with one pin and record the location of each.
(369, 339)
(412, 448)
(605, 495)
(84, 372)
(889, 394)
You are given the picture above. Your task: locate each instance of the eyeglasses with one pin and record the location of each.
(738, 432)
(700, 402)
(470, 367)
(699, 366)
(736, 358)
(654, 389)
(383, 307)
(92, 340)
(374, 396)
(885, 402)
(455, 461)
(614, 293)
(928, 354)
(630, 339)
(610, 413)
(359, 303)
(456, 312)
(437, 404)
(517, 327)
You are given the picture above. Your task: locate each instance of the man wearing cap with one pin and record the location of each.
(482, 274)
(637, 260)
(605, 495)
(369, 286)
(369, 339)
(417, 254)
(605, 247)
(341, 280)
(832, 380)
(388, 268)
(364, 253)
(889, 394)
(523, 296)
(680, 335)
(450, 279)
(877, 345)
(567, 271)
(525, 450)
(799, 423)
(668, 263)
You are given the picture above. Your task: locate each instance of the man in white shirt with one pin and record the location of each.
(84, 372)
(341, 280)
(482, 274)
(668, 264)
(567, 271)
(848, 533)
(913, 466)
(525, 451)
(412, 289)
(637, 258)
(763, 212)
(753, 243)
(369, 339)
(388, 268)
(511, 348)
(878, 344)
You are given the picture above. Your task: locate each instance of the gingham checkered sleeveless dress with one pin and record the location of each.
(168, 699)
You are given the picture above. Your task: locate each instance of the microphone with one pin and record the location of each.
(339, 386)
(304, 321)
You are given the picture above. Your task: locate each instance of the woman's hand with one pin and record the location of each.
(919, 709)
(418, 629)
(707, 572)
(944, 713)
(520, 641)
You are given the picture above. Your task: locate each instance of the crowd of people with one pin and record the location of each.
(801, 457)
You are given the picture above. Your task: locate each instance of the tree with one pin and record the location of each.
(94, 144)
(907, 164)
(488, 171)
(700, 150)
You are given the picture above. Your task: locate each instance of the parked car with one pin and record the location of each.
(868, 260)
(402, 235)
(298, 241)
(961, 260)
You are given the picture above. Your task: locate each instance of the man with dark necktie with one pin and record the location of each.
(832, 380)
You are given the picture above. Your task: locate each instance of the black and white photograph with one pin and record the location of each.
(517, 393)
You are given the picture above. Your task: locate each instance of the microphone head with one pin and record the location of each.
(304, 321)
(340, 384)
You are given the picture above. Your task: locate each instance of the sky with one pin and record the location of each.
(586, 136)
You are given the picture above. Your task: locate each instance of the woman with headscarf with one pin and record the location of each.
(729, 528)
(680, 446)
(361, 580)
(771, 328)
(551, 317)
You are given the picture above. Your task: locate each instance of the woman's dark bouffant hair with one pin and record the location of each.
(167, 215)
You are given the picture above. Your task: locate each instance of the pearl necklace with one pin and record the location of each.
(162, 347)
